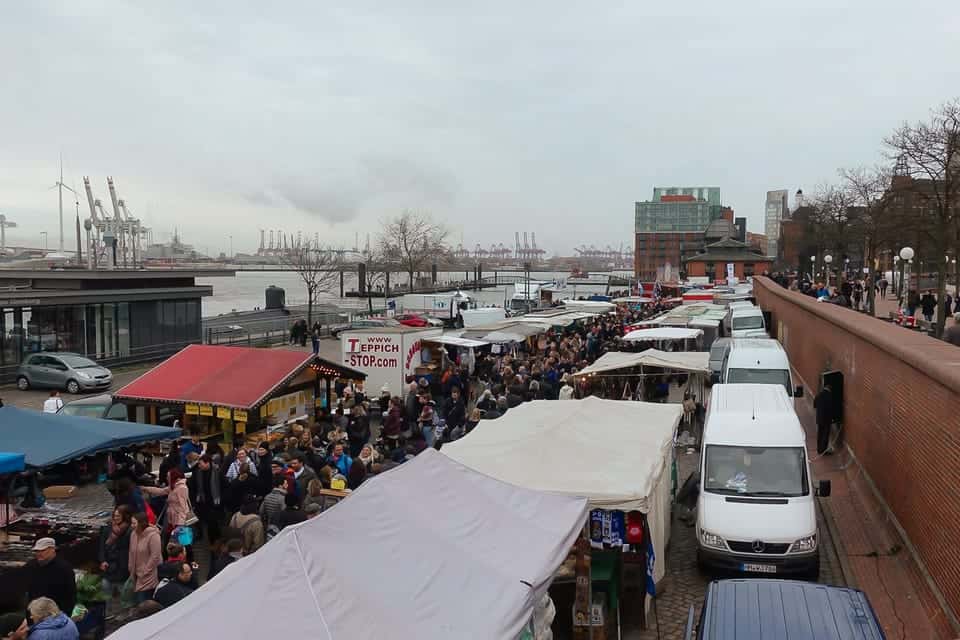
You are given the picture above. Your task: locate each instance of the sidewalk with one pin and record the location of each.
(873, 555)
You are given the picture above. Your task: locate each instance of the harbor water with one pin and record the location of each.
(245, 290)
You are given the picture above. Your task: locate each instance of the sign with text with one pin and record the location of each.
(206, 410)
(379, 351)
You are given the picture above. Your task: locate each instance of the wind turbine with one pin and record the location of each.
(59, 185)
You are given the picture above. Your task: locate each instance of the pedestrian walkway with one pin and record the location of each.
(872, 553)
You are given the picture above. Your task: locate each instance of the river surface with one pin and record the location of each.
(245, 290)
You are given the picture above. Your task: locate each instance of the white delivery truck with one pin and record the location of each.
(445, 306)
(386, 354)
(482, 317)
(755, 510)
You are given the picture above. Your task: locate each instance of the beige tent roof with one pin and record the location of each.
(692, 361)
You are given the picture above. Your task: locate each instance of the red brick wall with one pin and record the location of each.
(901, 414)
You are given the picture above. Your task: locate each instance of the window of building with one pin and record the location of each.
(747, 269)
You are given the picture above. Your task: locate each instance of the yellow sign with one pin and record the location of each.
(263, 411)
(191, 410)
(337, 483)
(240, 428)
(206, 410)
(223, 412)
(239, 415)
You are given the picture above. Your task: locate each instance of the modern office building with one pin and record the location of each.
(112, 316)
(669, 227)
(775, 210)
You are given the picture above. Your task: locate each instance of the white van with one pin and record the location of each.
(747, 322)
(733, 305)
(759, 361)
(755, 510)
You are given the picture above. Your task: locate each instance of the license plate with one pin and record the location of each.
(759, 568)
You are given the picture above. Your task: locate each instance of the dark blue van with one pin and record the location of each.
(761, 609)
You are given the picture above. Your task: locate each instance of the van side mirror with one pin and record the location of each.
(798, 391)
(689, 629)
(824, 489)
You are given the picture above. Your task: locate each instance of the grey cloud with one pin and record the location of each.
(336, 197)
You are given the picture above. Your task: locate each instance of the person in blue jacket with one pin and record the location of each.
(49, 623)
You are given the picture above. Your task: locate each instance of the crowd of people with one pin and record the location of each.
(851, 293)
(231, 502)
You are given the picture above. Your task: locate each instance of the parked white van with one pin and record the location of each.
(747, 322)
(759, 361)
(733, 305)
(755, 510)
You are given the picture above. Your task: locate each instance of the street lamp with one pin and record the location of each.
(828, 259)
(906, 255)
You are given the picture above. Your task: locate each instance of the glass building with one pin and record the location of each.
(111, 316)
(670, 227)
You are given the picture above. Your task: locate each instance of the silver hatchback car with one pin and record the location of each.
(61, 370)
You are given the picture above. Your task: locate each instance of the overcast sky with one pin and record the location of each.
(222, 118)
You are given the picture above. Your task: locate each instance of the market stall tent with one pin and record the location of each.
(617, 454)
(46, 439)
(663, 333)
(690, 361)
(429, 550)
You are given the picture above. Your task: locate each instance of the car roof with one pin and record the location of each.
(755, 609)
(747, 311)
(752, 414)
(744, 344)
(103, 398)
(59, 353)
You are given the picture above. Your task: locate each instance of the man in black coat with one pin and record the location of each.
(51, 576)
(456, 411)
(176, 582)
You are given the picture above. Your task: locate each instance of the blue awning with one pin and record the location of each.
(11, 462)
(47, 439)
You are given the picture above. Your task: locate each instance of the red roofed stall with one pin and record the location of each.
(215, 389)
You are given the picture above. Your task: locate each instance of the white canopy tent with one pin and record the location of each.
(618, 454)
(428, 550)
(456, 341)
(690, 361)
(664, 333)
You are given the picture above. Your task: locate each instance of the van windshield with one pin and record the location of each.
(755, 471)
(760, 376)
(748, 322)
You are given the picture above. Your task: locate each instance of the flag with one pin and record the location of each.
(656, 290)
(651, 562)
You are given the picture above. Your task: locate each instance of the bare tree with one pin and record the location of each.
(868, 191)
(318, 267)
(412, 241)
(929, 152)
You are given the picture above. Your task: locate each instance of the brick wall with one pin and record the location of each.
(901, 414)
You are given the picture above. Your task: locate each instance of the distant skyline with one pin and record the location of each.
(223, 118)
